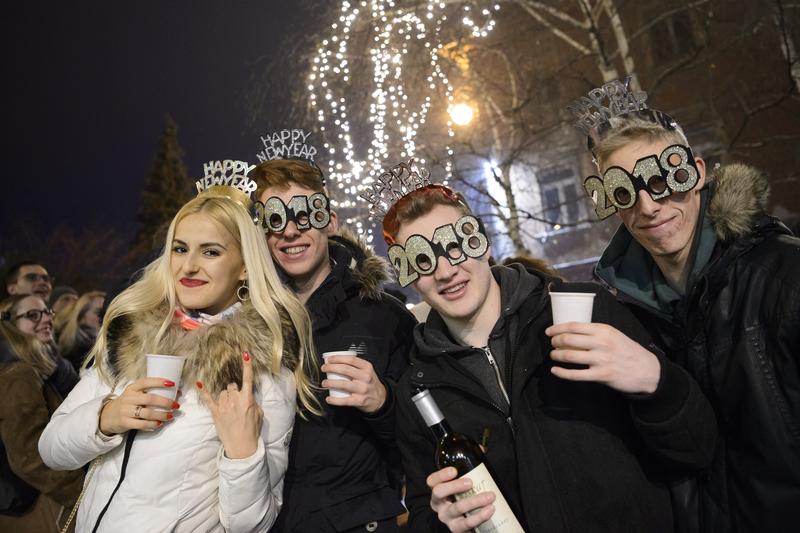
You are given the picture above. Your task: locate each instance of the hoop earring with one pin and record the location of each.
(246, 292)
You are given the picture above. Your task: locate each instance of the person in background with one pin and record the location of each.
(29, 277)
(33, 497)
(77, 325)
(61, 297)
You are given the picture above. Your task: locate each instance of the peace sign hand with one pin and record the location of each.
(236, 414)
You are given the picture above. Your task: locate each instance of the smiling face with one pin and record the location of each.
(42, 328)
(32, 279)
(457, 292)
(206, 264)
(665, 228)
(303, 255)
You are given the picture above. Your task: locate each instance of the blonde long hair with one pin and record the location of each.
(267, 294)
(67, 321)
(26, 348)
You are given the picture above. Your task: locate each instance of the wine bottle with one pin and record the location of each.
(464, 454)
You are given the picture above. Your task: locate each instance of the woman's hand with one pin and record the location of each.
(134, 408)
(237, 416)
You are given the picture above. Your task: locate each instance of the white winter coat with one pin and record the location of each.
(178, 478)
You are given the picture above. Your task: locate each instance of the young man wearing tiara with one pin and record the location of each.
(344, 466)
(717, 282)
(581, 424)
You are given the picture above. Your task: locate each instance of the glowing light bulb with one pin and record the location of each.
(461, 114)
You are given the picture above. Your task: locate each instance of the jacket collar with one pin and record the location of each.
(368, 271)
(355, 270)
(522, 292)
(213, 352)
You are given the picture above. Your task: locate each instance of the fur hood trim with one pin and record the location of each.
(213, 353)
(740, 194)
(367, 269)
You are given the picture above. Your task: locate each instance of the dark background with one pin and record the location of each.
(88, 85)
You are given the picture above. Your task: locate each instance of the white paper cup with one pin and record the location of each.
(168, 367)
(337, 393)
(572, 306)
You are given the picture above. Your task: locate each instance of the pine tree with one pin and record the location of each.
(165, 190)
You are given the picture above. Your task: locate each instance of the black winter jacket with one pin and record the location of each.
(344, 467)
(570, 456)
(737, 331)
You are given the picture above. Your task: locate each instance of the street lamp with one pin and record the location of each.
(461, 114)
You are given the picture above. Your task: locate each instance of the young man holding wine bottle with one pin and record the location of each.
(581, 425)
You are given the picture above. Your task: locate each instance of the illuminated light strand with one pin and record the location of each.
(391, 105)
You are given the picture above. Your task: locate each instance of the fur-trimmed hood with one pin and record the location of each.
(740, 194)
(213, 353)
(367, 269)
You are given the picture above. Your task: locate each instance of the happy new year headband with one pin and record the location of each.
(289, 144)
(606, 108)
(227, 179)
(393, 184)
(659, 175)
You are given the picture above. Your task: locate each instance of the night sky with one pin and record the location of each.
(88, 84)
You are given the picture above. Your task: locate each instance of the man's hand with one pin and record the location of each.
(612, 358)
(367, 393)
(444, 486)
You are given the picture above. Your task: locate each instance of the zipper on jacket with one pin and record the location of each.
(493, 364)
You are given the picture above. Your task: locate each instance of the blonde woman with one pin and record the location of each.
(208, 461)
(76, 326)
(32, 495)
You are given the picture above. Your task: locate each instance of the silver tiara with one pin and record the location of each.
(613, 99)
(596, 111)
(394, 184)
(287, 144)
(227, 178)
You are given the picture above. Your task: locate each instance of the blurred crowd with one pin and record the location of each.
(46, 334)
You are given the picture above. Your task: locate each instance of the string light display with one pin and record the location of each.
(396, 112)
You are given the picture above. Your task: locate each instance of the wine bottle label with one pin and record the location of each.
(503, 519)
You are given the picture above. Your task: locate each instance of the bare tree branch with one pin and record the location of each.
(555, 13)
(643, 30)
(751, 112)
(557, 32)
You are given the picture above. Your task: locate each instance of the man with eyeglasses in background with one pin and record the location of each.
(29, 277)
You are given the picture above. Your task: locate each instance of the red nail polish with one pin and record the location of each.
(246, 356)
(199, 384)
(168, 383)
(158, 423)
(169, 416)
(176, 405)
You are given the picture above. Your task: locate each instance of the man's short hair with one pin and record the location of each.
(12, 274)
(628, 130)
(282, 173)
(420, 203)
